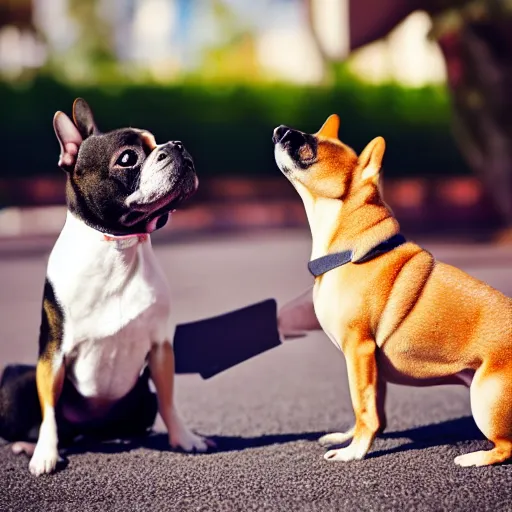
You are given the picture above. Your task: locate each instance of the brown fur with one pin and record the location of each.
(49, 383)
(149, 140)
(161, 365)
(402, 317)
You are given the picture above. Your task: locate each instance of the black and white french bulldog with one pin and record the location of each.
(106, 301)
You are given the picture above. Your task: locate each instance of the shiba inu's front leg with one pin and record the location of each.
(161, 366)
(341, 437)
(49, 378)
(363, 381)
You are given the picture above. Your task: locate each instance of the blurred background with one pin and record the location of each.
(433, 77)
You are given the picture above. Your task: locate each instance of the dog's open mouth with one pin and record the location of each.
(147, 212)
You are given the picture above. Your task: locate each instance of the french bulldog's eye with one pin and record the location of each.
(127, 158)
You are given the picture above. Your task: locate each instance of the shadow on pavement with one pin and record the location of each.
(447, 432)
(160, 442)
(439, 434)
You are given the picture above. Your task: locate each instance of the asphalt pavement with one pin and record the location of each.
(265, 414)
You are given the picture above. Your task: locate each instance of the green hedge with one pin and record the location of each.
(228, 129)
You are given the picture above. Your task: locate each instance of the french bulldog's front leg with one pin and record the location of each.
(49, 379)
(363, 382)
(161, 366)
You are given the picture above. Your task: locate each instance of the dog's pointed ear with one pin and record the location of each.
(370, 160)
(84, 119)
(69, 139)
(330, 128)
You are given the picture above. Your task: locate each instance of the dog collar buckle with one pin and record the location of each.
(321, 265)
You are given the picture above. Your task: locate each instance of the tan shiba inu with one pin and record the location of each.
(397, 314)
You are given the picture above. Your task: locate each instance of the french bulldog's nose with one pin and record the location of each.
(279, 133)
(167, 149)
(162, 155)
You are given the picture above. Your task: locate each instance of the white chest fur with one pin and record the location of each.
(325, 305)
(335, 308)
(116, 303)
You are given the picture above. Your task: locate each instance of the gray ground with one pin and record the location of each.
(265, 414)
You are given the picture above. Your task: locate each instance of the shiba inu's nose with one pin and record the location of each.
(279, 133)
(288, 137)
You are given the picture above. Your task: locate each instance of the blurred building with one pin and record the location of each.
(290, 39)
(406, 55)
(20, 41)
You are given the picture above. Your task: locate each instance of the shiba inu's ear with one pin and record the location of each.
(370, 160)
(330, 127)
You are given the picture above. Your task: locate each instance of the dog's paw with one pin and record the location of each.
(44, 460)
(336, 438)
(351, 452)
(189, 442)
(483, 457)
(468, 459)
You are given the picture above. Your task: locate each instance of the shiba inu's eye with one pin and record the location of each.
(306, 152)
(127, 158)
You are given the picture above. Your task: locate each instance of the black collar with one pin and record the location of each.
(323, 264)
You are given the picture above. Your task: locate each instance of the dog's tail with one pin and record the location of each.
(20, 413)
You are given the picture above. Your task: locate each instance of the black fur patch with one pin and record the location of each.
(295, 143)
(304, 163)
(52, 323)
(20, 413)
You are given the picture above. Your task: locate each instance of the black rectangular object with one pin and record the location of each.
(215, 344)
